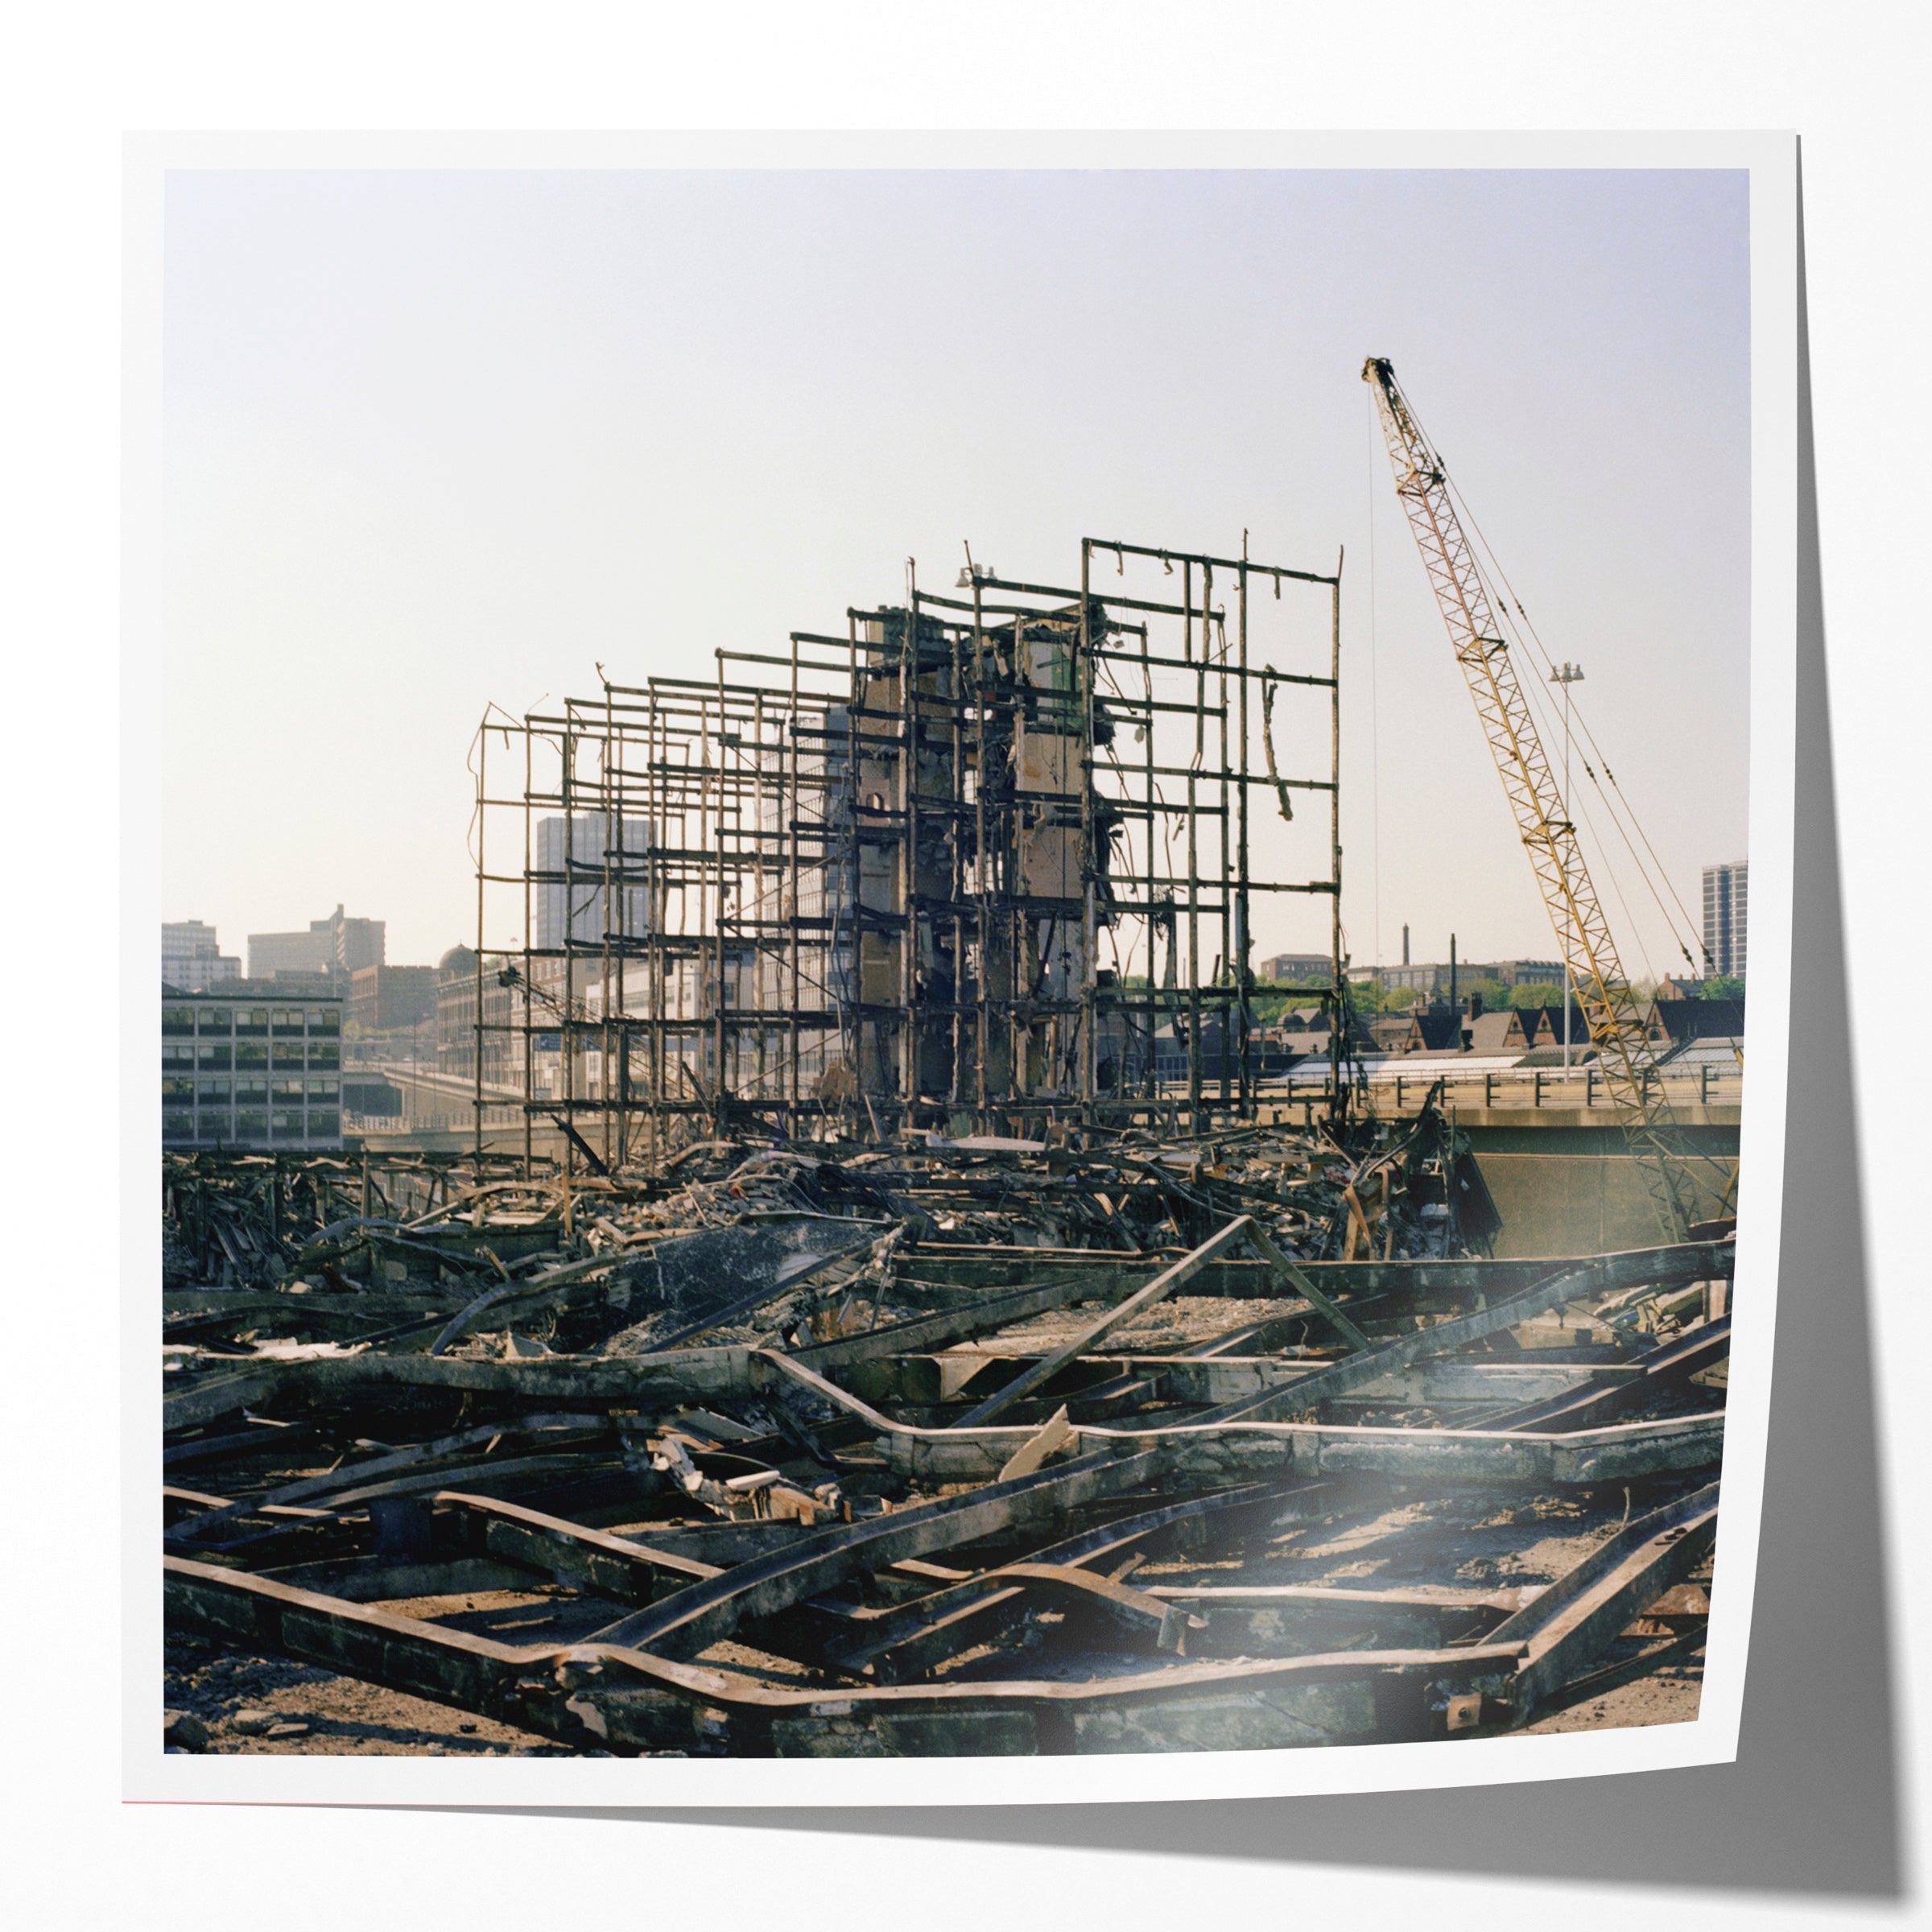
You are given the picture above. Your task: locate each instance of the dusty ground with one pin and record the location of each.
(269, 1706)
(1669, 1696)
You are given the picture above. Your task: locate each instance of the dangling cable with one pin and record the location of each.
(1510, 611)
(1376, 458)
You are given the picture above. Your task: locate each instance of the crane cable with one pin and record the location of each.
(1511, 609)
(1518, 620)
(1376, 459)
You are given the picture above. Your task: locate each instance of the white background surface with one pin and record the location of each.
(1850, 85)
(166, 634)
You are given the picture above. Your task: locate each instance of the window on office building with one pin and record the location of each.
(214, 1111)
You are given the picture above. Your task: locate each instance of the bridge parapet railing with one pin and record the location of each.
(1398, 1089)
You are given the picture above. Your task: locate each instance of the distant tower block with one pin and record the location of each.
(1726, 918)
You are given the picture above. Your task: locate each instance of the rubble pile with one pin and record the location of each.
(936, 1447)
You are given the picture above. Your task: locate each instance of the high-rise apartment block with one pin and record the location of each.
(1727, 906)
(191, 958)
(571, 875)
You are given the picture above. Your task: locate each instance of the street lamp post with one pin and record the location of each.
(1566, 675)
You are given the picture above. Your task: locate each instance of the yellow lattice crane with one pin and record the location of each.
(1624, 1056)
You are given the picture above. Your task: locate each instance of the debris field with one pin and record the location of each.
(923, 1446)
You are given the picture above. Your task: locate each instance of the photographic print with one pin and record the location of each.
(955, 965)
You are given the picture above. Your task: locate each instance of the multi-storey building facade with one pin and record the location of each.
(244, 1065)
(1434, 977)
(334, 945)
(382, 998)
(1727, 909)
(456, 1031)
(1297, 969)
(570, 880)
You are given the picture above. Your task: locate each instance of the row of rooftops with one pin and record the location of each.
(284, 986)
(1527, 1034)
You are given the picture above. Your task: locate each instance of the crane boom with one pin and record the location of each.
(1617, 1029)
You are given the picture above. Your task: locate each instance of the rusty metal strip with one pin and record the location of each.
(531, 1686)
(700, 1615)
(1164, 1284)
(911, 1637)
(347, 1483)
(1591, 1278)
(1298, 1279)
(1233, 1452)
(1572, 1620)
(1667, 1366)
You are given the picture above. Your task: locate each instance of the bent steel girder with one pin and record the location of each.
(597, 1693)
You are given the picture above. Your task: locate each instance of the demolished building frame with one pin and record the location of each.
(878, 874)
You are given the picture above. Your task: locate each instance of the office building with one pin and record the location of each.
(456, 1029)
(1434, 979)
(192, 957)
(383, 998)
(1727, 907)
(245, 1064)
(1297, 969)
(335, 945)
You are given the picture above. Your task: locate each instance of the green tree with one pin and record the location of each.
(1540, 992)
(1494, 993)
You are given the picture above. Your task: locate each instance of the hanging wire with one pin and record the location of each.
(1581, 813)
(1510, 609)
(1376, 458)
(1542, 709)
(1510, 612)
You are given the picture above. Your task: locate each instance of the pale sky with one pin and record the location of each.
(434, 440)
